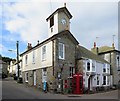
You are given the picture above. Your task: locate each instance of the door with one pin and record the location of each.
(88, 84)
(77, 84)
(34, 73)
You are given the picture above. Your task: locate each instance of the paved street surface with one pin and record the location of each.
(13, 90)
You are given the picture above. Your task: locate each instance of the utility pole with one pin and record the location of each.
(17, 45)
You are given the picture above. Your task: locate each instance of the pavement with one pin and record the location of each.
(13, 90)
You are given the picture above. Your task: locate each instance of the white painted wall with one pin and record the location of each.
(98, 71)
(39, 63)
(48, 60)
(12, 69)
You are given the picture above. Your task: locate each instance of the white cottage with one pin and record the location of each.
(95, 70)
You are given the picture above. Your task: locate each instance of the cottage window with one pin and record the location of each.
(93, 66)
(71, 71)
(118, 62)
(108, 80)
(44, 72)
(51, 21)
(26, 77)
(104, 80)
(26, 59)
(108, 70)
(44, 75)
(104, 70)
(33, 56)
(43, 52)
(61, 51)
(98, 80)
(88, 66)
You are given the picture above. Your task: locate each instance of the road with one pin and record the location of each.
(13, 90)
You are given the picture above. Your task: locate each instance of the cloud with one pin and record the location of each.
(90, 19)
(26, 19)
(2, 48)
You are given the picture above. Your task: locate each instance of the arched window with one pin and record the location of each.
(88, 66)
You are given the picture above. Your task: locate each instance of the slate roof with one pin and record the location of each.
(61, 9)
(85, 53)
(104, 49)
(65, 32)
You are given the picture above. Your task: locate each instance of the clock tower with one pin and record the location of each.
(59, 21)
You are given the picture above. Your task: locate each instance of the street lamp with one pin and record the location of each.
(17, 46)
(17, 53)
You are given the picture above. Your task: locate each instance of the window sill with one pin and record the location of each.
(61, 58)
(33, 63)
(43, 60)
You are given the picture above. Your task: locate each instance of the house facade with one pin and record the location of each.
(3, 69)
(12, 68)
(56, 59)
(95, 70)
(111, 55)
(51, 61)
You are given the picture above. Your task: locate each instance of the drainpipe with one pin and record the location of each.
(97, 50)
(53, 56)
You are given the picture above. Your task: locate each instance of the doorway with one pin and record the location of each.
(34, 81)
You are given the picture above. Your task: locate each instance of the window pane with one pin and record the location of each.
(33, 56)
(61, 51)
(51, 21)
(104, 80)
(88, 66)
(43, 52)
(26, 59)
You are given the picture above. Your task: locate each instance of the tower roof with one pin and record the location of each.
(63, 9)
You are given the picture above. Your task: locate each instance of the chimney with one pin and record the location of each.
(64, 4)
(29, 46)
(113, 46)
(97, 50)
(94, 44)
(38, 41)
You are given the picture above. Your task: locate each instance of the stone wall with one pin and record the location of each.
(62, 66)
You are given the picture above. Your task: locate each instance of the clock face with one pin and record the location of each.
(63, 21)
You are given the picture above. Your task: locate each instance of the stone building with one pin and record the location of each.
(111, 55)
(95, 70)
(51, 61)
(3, 69)
(12, 68)
(55, 59)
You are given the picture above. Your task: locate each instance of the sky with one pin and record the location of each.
(25, 21)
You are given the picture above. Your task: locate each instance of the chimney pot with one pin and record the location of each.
(113, 46)
(38, 41)
(94, 44)
(29, 46)
(64, 4)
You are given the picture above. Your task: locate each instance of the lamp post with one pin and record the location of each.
(17, 46)
(17, 53)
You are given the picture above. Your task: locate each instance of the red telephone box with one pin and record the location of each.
(77, 84)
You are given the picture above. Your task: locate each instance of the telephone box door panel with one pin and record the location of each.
(77, 84)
